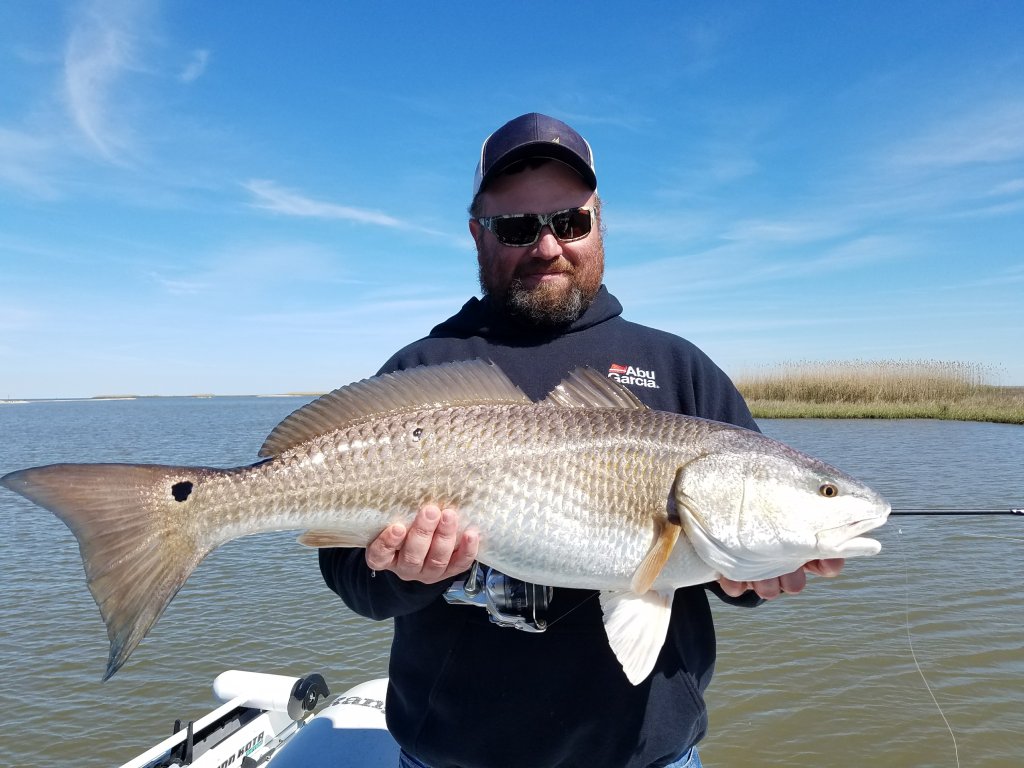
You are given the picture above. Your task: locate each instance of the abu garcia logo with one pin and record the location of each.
(628, 374)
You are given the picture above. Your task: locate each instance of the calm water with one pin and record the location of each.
(824, 679)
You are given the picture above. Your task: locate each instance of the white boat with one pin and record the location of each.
(273, 720)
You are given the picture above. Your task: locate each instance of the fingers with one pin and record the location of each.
(733, 588)
(415, 558)
(465, 552)
(429, 551)
(789, 583)
(828, 567)
(767, 589)
(381, 554)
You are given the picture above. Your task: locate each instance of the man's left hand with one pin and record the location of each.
(789, 583)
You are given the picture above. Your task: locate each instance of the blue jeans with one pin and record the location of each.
(690, 759)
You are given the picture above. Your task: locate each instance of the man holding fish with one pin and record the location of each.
(598, 512)
(465, 691)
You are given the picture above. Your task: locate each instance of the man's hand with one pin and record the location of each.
(790, 583)
(430, 551)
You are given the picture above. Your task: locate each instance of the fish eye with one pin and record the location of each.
(828, 490)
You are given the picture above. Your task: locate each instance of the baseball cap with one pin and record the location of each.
(533, 135)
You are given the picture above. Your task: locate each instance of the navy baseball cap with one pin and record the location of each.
(533, 135)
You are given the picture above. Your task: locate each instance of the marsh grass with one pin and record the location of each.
(888, 389)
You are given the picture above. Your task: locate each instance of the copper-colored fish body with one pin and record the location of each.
(587, 488)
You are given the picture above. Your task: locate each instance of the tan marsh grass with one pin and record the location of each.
(887, 389)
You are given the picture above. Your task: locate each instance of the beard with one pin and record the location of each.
(545, 305)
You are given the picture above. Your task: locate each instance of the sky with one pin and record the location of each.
(267, 197)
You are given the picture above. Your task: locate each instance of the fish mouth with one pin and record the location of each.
(845, 541)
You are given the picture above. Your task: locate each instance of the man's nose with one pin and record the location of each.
(548, 246)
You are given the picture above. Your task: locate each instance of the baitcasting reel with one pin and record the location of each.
(510, 602)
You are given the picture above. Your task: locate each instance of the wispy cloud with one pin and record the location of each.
(102, 47)
(1011, 187)
(23, 160)
(269, 196)
(196, 66)
(241, 271)
(990, 133)
(14, 318)
(858, 252)
(786, 230)
(177, 287)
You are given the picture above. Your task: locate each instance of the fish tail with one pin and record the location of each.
(138, 535)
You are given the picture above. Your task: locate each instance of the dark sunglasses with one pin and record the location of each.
(522, 229)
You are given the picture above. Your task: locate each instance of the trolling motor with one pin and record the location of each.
(509, 602)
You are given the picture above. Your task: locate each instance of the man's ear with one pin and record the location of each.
(476, 230)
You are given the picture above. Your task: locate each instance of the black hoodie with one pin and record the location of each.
(465, 693)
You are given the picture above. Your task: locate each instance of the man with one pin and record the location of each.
(464, 691)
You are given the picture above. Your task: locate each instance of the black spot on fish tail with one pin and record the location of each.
(181, 490)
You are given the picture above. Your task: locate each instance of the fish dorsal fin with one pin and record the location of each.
(586, 388)
(466, 382)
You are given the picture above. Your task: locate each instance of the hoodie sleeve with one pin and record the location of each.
(748, 599)
(376, 595)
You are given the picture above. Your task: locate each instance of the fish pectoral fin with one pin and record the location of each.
(327, 539)
(636, 626)
(650, 567)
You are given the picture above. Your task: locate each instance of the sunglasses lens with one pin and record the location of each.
(517, 230)
(524, 229)
(573, 224)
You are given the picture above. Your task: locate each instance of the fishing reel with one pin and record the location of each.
(509, 602)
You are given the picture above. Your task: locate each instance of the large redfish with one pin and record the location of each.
(587, 488)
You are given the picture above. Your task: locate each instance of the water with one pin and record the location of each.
(825, 678)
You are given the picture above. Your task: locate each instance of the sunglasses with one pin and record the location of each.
(520, 230)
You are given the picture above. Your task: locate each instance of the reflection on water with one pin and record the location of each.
(826, 678)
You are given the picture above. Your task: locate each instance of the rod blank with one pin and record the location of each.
(1018, 512)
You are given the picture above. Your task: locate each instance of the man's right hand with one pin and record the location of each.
(430, 551)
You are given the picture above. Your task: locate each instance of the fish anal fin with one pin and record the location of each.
(586, 388)
(636, 626)
(323, 539)
(654, 561)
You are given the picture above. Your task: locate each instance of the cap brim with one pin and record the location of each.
(537, 149)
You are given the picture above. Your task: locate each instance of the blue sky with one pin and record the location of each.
(270, 197)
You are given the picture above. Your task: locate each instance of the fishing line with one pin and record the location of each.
(990, 536)
(586, 599)
(913, 654)
(954, 512)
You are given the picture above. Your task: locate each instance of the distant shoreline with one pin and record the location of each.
(881, 390)
(999, 408)
(888, 389)
(107, 398)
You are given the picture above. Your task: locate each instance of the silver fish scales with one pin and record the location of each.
(587, 488)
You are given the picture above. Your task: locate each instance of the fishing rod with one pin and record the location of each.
(1003, 511)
